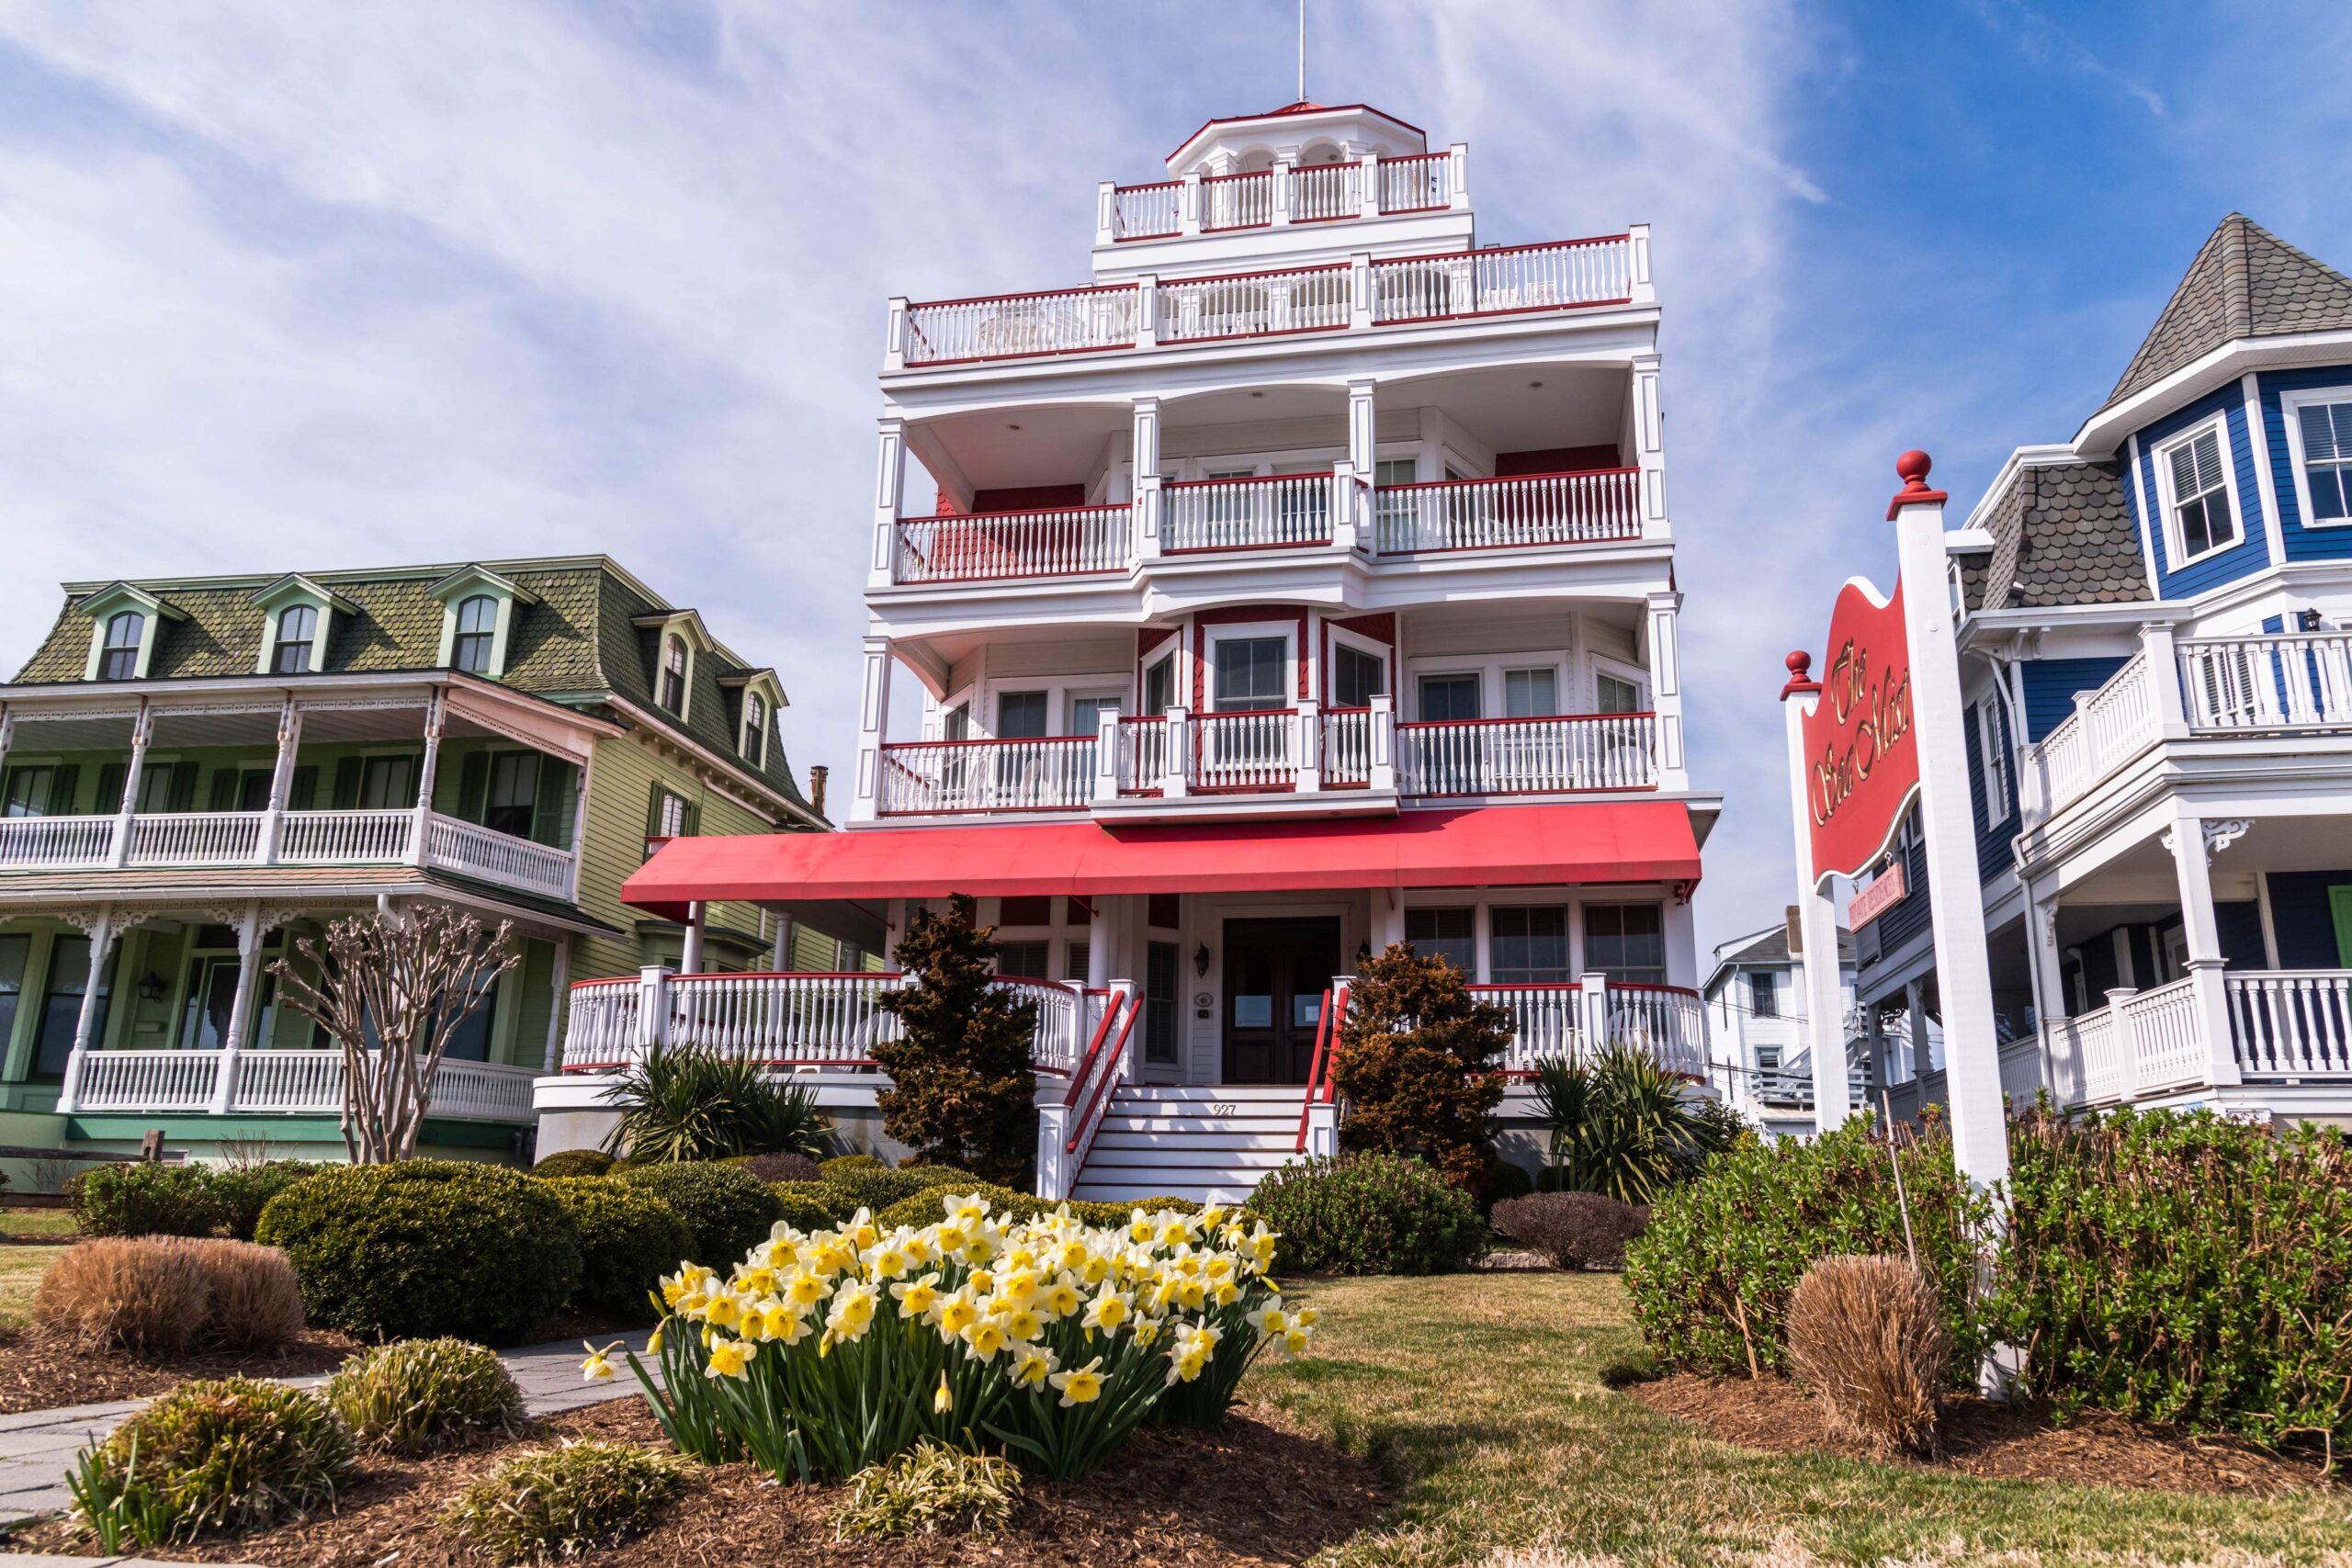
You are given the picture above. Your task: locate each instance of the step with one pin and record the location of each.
(1127, 1192)
(1238, 1094)
(1234, 1160)
(1203, 1127)
(1203, 1142)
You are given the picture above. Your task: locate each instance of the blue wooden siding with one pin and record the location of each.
(2251, 552)
(1909, 916)
(2327, 541)
(2301, 919)
(1993, 838)
(2051, 685)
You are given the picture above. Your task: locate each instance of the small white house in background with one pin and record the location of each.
(1759, 1040)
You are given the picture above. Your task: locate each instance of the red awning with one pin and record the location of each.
(1644, 840)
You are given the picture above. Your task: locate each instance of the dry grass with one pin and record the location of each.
(1866, 1339)
(21, 1269)
(256, 1301)
(159, 1295)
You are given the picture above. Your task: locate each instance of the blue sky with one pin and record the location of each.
(320, 286)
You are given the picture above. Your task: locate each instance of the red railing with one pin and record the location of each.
(1081, 1136)
(1236, 201)
(1326, 1031)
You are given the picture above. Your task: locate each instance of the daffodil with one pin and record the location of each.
(853, 1313)
(731, 1359)
(1081, 1386)
(1033, 1365)
(917, 1298)
(1022, 1323)
(1106, 1312)
(985, 1337)
(598, 1367)
(957, 1313)
(942, 1402)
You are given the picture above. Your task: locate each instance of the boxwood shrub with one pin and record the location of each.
(629, 1239)
(144, 1199)
(879, 1188)
(1370, 1213)
(726, 1210)
(575, 1162)
(241, 1193)
(1710, 1278)
(427, 1247)
(2183, 1268)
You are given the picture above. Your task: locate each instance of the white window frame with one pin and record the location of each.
(1060, 692)
(1213, 637)
(1632, 675)
(753, 734)
(470, 582)
(2176, 547)
(1489, 668)
(1074, 694)
(1370, 648)
(2290, 413)
(1562, 693)
(1992, 762)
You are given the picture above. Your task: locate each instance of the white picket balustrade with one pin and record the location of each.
(2108, 726)
(1257, 750)
(1346, 750)
(2167, 1047)
(1149, 212)
(980, 547)
(1233, 514)
(1420, 183)
(329, 837)
(599, 1023)
(283, 1082)
(1143, 755)
(1238, 201)
(1321, 192)
(2291, 1022)
(1491, 514)
(1254, 304)
(453, 844)
(1526, 756)
(1508, 278)
(1547, 1022)
(1066, 321)
(289, 1081)
(2298, 681)
(482, 1091)
(148, 1080)
(58, 843)
(196, 838)
(1048, 773)
(1055, 1044)
(1668, 1022)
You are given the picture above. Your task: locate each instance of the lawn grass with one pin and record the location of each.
(20, 1269)
(1481, 1396)
(37, 1222)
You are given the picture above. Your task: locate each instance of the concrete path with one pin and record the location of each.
(37, 1447)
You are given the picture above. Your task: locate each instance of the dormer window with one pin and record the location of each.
(477, 636)
(672, 695)
(2204, 515)
(755, 729)
(126, 629)
(298, 632)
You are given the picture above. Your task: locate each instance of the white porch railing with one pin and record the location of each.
(280, 1082)
(785, 1020)
(1547, 1022)
(1418, 184)
(1237, 515)
(1321, 192)
(980, 547)
(370, 837)
(1143, 755)
(1347, 747)
(1150, 211)
(1493, 515)
(1316, 193)
(1257, 750)
(2291, 1022)
(1502, 280)
(1557, 1021)
(1238, 201)
(2296, 680)
(928, 777)
(1020, 326)
(2108, 726)
(1254, 304)
(1526, 756)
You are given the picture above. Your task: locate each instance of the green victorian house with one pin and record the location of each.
(196, 773)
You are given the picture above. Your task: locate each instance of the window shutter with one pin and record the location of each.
(473, 786)
(346, 782)
(110, 796)
(302, 789)
(653, 812)
(227, 785)
(551, 805)
(693, 822)
(62, 785)
(183, 792)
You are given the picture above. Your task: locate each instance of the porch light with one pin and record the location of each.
(1200, 961)
(151, 987)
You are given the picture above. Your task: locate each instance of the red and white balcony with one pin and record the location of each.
(1371, 186)
(1361, 294)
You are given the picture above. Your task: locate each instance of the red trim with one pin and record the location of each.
(1022, 576)
(1314, 1069)
(1237, 174)
(1512, 478)
(1002, 299)
(1229, 549)
(1262, 272)
(1525, 986)
(1251, 479)
(1631, 538)
(1087, 1119)
(1539, 718)
(1094, 1048)
(772, 975)
(1207, 126)
(1149, 184)
(988, 740)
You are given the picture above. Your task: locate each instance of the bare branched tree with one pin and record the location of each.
(392, 989)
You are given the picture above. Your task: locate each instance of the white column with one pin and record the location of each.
(894, 342)
(1388, 918)
(1956, 899)
(580, 822)
(1681, 942)
(1148, 310)
(102, 935)
(2163, 670)
(1459, 156)
(2192, 871)
(1347, 484)
(425, 773)
(1176, 783)
(1144, 443)
(281, 779)
(653, 1006)
(1816, 913)
(1106, 212)
(1649, 447)
(1106, 757)
(232, 1043)
(1593, 1010)
(1637, 265)
(1359, 300)
(889, 496)
(141, 728)
(1666, 690)
(873, 715)
(1369, 206)
(559, 981)
(1102, 940)
(1283, 167)
(1188, 215)
(1383, 743)
(690, 955)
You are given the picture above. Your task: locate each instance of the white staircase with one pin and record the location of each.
(1197, 1143)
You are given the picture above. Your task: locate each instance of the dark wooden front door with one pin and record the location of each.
(1275, 975)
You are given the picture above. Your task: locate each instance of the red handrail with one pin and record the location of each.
(913, 306)
(1167, 283)
(1532, 719)
(1086, 1118)
(1245, 479)
(1314, 1070)
(1095, 1047)
(1508, 478)
(988, 740)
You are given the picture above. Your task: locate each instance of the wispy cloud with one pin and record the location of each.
(2045, 43)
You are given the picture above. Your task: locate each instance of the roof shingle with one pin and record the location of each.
(2246, 282)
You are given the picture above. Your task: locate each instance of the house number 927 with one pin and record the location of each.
(1220, 1108)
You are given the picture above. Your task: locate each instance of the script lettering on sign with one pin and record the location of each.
(1861, 760)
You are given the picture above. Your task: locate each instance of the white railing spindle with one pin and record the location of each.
(1231, 515)
(1049, 774)
(1062, 541)
(1499, 513)
(1526, 756)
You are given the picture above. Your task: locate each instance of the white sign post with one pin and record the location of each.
(1817, 916)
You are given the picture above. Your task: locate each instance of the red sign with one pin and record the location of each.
(1861, 760)
(1883, 893)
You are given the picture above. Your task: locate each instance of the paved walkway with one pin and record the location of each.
(37, 1447)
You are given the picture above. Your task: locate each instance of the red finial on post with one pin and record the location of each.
(1800, 675)
(1911, 468)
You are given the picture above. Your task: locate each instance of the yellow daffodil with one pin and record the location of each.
(957, 1313)
(917, 1298)
(968, 1211)
(1062, 1298)
(598, 1367)
(1083, 1386)
(1294, 1342)
(1106, 1312)
(654, 1343)
(806, 1290)
(1306, 1317)
(985, 1337)
(724, 1311)
(1022, 1323)
(942, 1402)
(853, 1313)
(1267, 1320)
(731, 1359)
(1033, 1365)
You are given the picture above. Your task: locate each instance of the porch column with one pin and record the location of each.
(232, 1043)
(889, 495)
(873, 715)
(560, 981)
(1188, 216)
(1282, 191)
(2164, 671)
(689, 957)
(1384, 744)
(1106, 757)
(1666, 689)
(1310, 746)
(1649, 449)
(102, 935)
(141, 728)
(579, 822)
(281, 779)
(1102, 940)
(1177, 782)
(1388, 918)
(425, 772)
(1363, 463)
(1592, 1011)
(1818, 968)
(1144, 450)
(2192, 869)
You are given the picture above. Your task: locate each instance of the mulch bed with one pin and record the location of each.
(1251, 1494)
(37, 1372)
(2011, 1441)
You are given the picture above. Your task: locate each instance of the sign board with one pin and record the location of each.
(1861, 760)
(1870, 903)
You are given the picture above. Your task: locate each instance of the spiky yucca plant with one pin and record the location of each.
(684, 1104)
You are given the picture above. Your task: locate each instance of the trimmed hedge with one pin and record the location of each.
(629, 1239)
(879, 1188)
(775, 1168)
(427, 1247)
(144, 1199)
(1710, 1278)
(2182, 1269)
(241, 1191)
(827, 1169)
(1370, 1213)
(574, 1162)
(726, 1210)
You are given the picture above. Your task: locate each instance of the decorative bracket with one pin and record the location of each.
(2219, 833)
